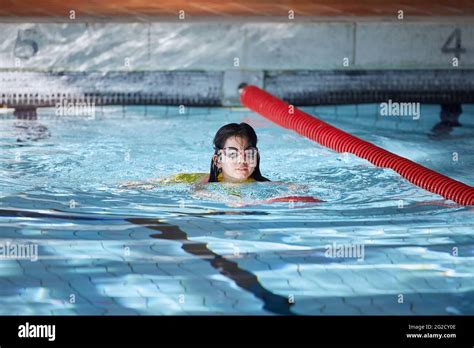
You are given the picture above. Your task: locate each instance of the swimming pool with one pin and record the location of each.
(103, 249)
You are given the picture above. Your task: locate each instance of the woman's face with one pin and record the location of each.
(236, 166)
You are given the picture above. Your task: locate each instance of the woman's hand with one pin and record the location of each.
(292, 187)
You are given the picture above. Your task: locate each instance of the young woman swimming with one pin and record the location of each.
(236, 158)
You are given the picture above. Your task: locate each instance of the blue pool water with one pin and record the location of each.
(103, 249)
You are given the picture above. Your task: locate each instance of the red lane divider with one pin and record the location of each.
(323, 133)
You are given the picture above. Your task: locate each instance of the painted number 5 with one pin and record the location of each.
(25, 46)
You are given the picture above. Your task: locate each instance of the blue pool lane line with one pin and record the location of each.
(244, 279)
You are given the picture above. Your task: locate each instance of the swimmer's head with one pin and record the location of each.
(236, 155)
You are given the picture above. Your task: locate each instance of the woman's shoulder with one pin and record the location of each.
(179, 178)
(204, 179)
(187, 178)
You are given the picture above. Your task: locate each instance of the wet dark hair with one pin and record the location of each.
(242, 130)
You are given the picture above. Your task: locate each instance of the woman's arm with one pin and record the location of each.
(198, 186)
(146, 185)
(188, 178)
(204, 179)
(292, 187)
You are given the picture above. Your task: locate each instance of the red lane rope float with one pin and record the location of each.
(323, 133)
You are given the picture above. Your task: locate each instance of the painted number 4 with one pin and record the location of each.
(453, 44)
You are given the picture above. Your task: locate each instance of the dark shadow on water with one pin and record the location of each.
(246, 280)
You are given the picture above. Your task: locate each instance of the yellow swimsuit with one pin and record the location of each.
(190, 178)
(219, 178)
(186, 178)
